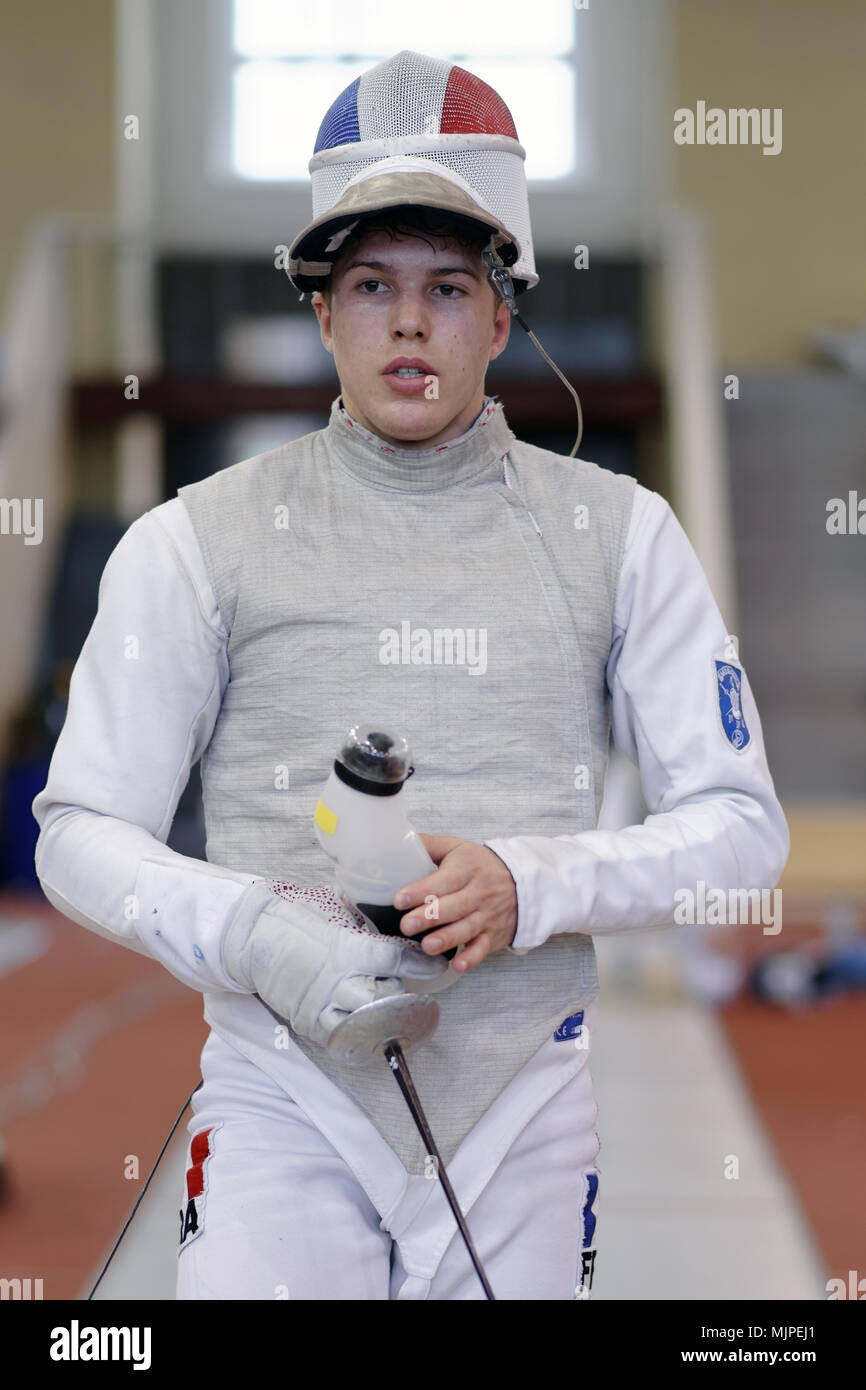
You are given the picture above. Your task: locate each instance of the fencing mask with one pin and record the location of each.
(421, 132)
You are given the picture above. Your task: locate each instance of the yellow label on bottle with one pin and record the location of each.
(326, 820)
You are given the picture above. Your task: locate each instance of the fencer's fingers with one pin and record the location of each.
(446, 879)
(473, 954)
(437, 846)
(450, 907)
(457, 934)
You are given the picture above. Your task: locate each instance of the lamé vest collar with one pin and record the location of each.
(473, 458)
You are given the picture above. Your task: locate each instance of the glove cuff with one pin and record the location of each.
(234, 950)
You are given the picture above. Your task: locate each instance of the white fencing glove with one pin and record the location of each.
(312, 959)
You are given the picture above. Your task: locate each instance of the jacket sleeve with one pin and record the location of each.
(144, 698)
(714, 815)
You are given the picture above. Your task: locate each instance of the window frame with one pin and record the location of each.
(225, 61)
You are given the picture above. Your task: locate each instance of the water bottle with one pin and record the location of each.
(361, 824)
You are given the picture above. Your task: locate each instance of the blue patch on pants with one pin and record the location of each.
(588, 1213)
(569, 1028)
(586, 1266)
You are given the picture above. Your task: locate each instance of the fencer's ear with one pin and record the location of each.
(322, 305)
(501, 330)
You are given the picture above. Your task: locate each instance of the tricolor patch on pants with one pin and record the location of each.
(192, 1219)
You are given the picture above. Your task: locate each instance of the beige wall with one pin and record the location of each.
(56, 116)
(57, 141)
(788, 232)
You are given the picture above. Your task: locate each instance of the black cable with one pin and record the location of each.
(502, 285)
(144, 1189)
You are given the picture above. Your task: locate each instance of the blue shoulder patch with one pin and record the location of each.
(729, 687)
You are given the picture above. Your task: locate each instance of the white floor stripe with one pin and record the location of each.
(145, 1266)
(673, 1109)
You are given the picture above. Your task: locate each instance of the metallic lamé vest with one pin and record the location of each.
(463, 596)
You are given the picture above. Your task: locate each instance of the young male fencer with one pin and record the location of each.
(505, 608)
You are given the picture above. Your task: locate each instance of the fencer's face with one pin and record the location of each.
(409, 299)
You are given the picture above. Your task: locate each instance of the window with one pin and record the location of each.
(290, 61)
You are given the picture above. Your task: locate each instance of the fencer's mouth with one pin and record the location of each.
(407, 367)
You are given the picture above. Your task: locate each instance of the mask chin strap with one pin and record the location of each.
(502, 285)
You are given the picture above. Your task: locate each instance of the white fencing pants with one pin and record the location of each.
(270, 1209)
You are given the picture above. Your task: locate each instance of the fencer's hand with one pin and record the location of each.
(311, 959)
(475, 901)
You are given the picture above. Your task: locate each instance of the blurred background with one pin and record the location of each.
(154, 158)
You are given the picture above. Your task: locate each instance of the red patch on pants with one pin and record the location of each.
(192, 1219)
